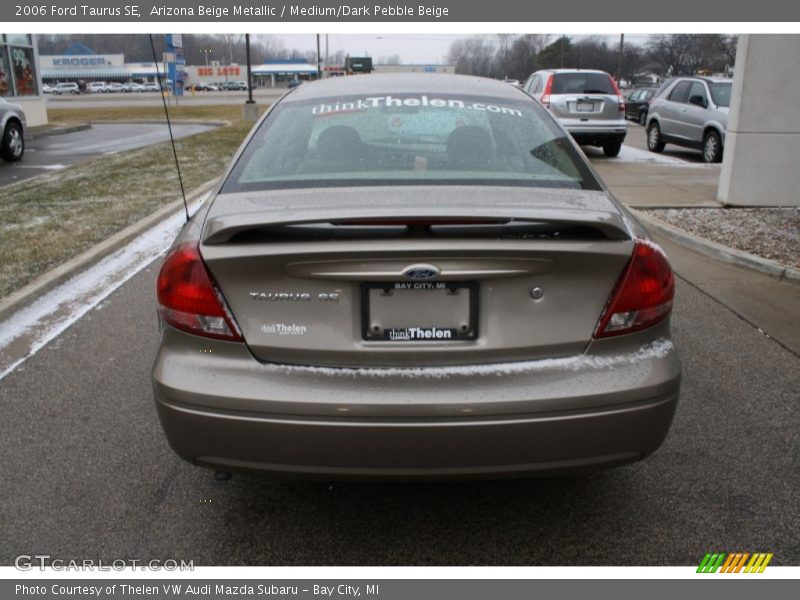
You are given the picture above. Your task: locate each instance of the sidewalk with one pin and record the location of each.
(643, 185)
(766, 302)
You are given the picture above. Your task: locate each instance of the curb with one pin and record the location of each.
(58, 131)
(720, 252)
(210, 122)
(50, 279)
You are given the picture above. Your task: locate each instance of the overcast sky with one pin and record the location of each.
(412, 48)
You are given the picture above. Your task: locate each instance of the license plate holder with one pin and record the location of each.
(419, 311)
(584, 106)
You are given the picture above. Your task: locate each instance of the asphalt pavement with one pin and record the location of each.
(87, 473)
(55, 152)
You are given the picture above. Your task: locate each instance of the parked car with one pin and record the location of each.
(47, 88)
(511, 81)
(210, 87)
(293, 83)
(132, 87)
(587, 103)
(151, 87)
(638, 102)
(407, 276)
(114, 88)
(66, 88)
(691, 112)
(96, 87)
(13, 125)
(234, 86)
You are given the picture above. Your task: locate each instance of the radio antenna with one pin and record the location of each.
(169, 125)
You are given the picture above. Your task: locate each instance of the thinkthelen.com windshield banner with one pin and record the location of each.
(474, 11)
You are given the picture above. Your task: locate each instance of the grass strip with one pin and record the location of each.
(48, 220)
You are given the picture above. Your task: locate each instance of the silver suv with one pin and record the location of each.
(587, 103)
(691, 112)
(12, 128)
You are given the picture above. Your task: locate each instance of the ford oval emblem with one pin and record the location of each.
(421, 272)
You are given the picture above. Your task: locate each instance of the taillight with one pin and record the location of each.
(621, 98)
(188, 298)
(643, 294)
(547, 90)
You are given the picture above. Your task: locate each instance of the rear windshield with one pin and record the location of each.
(582, 83)
(721, 93)
(409, 139)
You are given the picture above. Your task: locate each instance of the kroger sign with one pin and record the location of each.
(79, 61)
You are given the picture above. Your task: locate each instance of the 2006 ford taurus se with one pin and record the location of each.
(411, 276)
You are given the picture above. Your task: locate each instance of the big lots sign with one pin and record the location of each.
(220, 71)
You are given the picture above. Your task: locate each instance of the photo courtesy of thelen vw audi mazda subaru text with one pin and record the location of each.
(414, 276)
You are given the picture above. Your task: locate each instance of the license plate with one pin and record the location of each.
(584, 106)
(419, 311)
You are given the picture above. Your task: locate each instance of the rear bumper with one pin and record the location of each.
(548, 444)
(596, 133)
(556, 417)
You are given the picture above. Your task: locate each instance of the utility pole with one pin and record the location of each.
(249, 69)
(327, 54)
(319, 61)
(250, 111)
(621, 55)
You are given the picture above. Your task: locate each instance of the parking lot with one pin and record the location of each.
(154, 99)
(54, 153)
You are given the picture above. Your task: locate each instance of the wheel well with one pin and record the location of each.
(12, 120)
(710, 128)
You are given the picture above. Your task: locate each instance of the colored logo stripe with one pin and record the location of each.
(734, 562)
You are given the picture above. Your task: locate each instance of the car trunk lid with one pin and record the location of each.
(412, 276)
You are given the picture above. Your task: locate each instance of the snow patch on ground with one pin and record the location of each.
(49, 315)
(629, 154)
(657, 349)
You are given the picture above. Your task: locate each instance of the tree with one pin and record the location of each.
(474, 56)
(686, 54)
(519, 61)
(393, 59)
(556, 55)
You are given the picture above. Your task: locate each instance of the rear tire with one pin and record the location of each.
(12, 147)
(654, 141)
(611, 149)
(642, 118)
(712, 147)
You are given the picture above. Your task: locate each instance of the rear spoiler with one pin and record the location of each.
(222, 229)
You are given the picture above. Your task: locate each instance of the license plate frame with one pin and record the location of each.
(386, 335)
(584, 106)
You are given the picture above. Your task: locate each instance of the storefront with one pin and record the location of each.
(79, 62)
(20, 79)
(277, 71)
